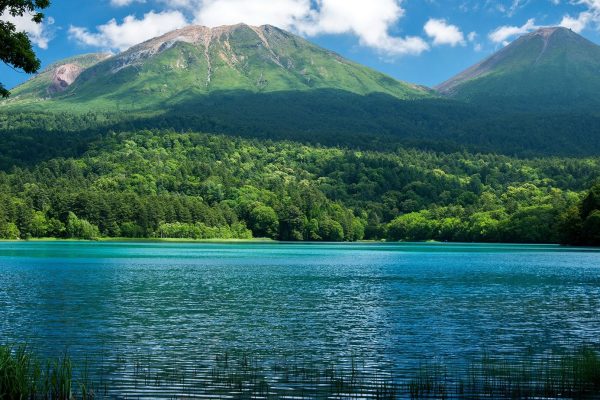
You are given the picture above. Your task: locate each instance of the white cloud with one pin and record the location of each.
(373, 22)
(369, 21)
(281, 13)
(503, 33)
(592, 4)
(131, 31)
(443, 33)
(39, 34)
(577, 24)
(584, 19)
(181, 3)
(123, 3)
(515, 6)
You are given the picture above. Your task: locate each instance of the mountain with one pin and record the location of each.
(197, 61)
(549, 69)
(263, 82)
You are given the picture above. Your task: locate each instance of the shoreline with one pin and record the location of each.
(273, 241)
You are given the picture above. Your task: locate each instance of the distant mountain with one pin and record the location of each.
(196, 61)
(551, 68)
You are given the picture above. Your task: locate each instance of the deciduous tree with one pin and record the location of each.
(15, 46)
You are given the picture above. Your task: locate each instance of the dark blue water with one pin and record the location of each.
(391, 306)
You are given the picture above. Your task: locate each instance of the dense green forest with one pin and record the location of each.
(327, 117)
(166, 184)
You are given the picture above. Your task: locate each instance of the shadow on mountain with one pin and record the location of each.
(380, 122)
(325, 117)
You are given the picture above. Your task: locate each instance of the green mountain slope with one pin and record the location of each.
(263, 82)
(551, 68)
(198, 61)
(55, 79)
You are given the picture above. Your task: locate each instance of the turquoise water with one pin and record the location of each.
(391, 306)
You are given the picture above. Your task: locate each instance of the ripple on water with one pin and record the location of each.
(391, 306)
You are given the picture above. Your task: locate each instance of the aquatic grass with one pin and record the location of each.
(574, 376)
(22, 376)
(241, 375)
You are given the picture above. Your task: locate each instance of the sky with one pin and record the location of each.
(419, 41)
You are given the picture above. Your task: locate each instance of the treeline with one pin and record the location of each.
(581, 223)
(190, 185)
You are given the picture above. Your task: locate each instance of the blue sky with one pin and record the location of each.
(421, 41)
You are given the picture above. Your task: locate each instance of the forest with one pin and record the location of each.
(168, 184)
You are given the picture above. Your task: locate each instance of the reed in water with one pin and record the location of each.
(574, 375)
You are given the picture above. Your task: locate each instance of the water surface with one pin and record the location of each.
(390, 305)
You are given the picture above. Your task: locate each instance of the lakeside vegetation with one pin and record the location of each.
(163, 184)
(574, 375)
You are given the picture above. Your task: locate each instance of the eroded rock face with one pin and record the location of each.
(199, 35)
(63, 77)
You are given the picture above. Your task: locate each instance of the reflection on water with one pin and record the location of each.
(391, 306)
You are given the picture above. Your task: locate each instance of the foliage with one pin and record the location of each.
(15, 46)
(199, 186)
(80, 228)
(581, 224)
(23, 376)
(179, 230)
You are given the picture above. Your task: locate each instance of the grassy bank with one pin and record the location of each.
(574, 376)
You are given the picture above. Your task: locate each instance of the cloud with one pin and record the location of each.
(131, 31)
(503, 33)
(370, 22)
(591, 16)
(123, 3)
(443, 33)
(515, 6)
(577, 24)
(282, 13)
(180, 3)
(39, 34)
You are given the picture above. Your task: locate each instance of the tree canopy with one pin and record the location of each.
(15, 46)
(167, 184)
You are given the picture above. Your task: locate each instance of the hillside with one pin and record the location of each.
(196, 61)
(56, 78)
(549, 69)
(263, 82)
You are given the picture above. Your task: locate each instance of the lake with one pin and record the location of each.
(392, 307)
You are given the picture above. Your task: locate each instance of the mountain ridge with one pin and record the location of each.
(549, 67)
(267, 83)
(197, 60)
